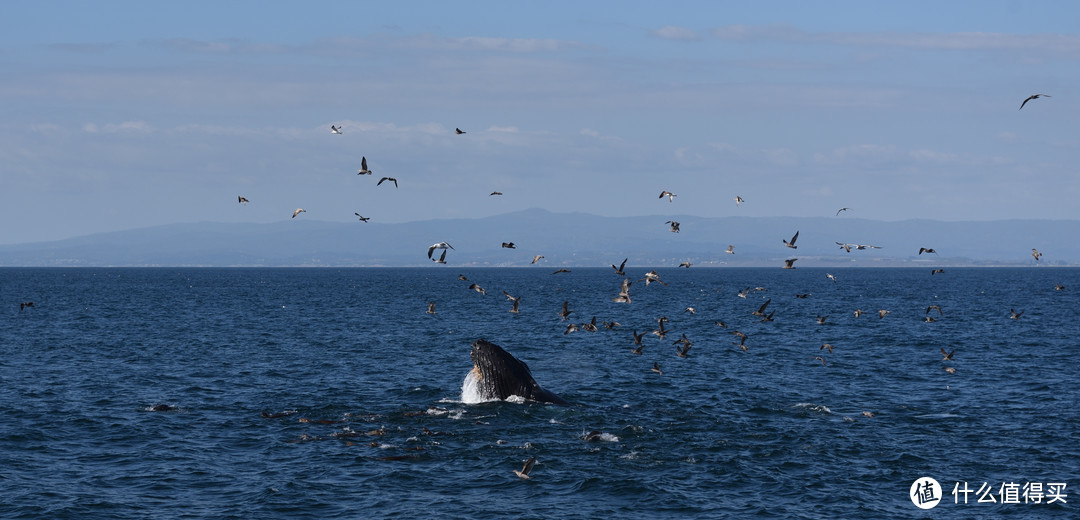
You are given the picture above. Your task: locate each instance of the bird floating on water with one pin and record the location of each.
(1029, 98)
(431, 308)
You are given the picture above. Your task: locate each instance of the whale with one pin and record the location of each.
(497, 374)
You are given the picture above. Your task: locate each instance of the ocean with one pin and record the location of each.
(147, 393)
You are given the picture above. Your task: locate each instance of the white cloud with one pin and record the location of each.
(504, 129)
(672, 32)
(113, 128)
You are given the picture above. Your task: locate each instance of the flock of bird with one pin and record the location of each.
(683, 344)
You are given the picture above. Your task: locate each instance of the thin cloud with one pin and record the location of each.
(1067, 44)
(114, 128)
(672, 32)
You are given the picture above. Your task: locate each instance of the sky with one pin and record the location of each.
(121, 115)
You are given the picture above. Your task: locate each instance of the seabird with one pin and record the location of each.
(624, 293)
(591, 326)
(936, 271)
(240, 199)
(458, 131)
(1036, 254)
(514, 307)
(619, 270)
(859, 312)
(821, 319)
(431, 308)
(841, 209)
(561, 271)
(674, 226)
(656, 368)
(335, 129)
(573, 327)
(669, 195)
(685, 349)
(387, 179)
(926, 250)
(761, 310)
(826, 346)
(803, 295)
(652, 276)
(24, 305)
(881, 313)
(950, 370)
(442, 258)
(685, 264)
(477, 288)
(789, 263)
(1058, 287)
(730, 249)
(744, 292)
(932, 307)
(495, 193)
(462, 278)
(849, 247)
(1029, 98)
(537, 258)
(509, 245)
(947, 356)
(298, 211)
(361, 217)
(691, 310)
(528, 467)
(831, 277)
(792, 243)
(439, 245)
(363, 167)
(739, 200)
(720, 323)
(565, 311)
(637, 337)
(819, 358)
(1015, 315)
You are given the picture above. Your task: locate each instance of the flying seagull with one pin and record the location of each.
(495, 193)
(440, 245)
(730, 249)
(298, 211)
(361, 217)
(669, 195)
(841, 209)
(363, 167)
(387, 179)
(685, 264)
(1035, 253)
(240, 199)
(739, 200)
(458, 131)
(442, 258)
(528, 467)
(509, 245)
(792, 243)
(431, 308)
(674, 226)
(477, 288)
(537, 258)
(1033, 96)
(790, 263)
(619, 270)
(926, 250)
(335, 129)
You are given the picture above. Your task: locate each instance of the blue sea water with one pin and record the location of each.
(364, 390)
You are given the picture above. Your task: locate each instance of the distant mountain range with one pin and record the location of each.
(565, 239)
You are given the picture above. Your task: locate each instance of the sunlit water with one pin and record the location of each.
(390, 428)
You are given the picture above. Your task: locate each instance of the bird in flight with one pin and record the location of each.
(440, 245)
(674, 226)
(669, 195)
(926, 250)
(739, 200)
(936, 271)
(477, 288)
(298, 211)
(849, 247)
(495, 193)
(1035, 253)
(1029, 98)
(362, 218)
(792, 243)
(561, 271)
(363, 167)
(841, 209)
(335, 129)
(240, 199)
(441, 259)
(619, 270)
(458, 131)
(537, 258)
(509, 245)
(387, 179)
(831, 277)
(730, 249)
(685, 264)
(431, 308)
(790, 263)
(528, 467)
(1015, 315)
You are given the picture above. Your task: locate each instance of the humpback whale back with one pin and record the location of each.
(499, 375)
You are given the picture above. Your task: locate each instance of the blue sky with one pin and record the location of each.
(117, 115)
